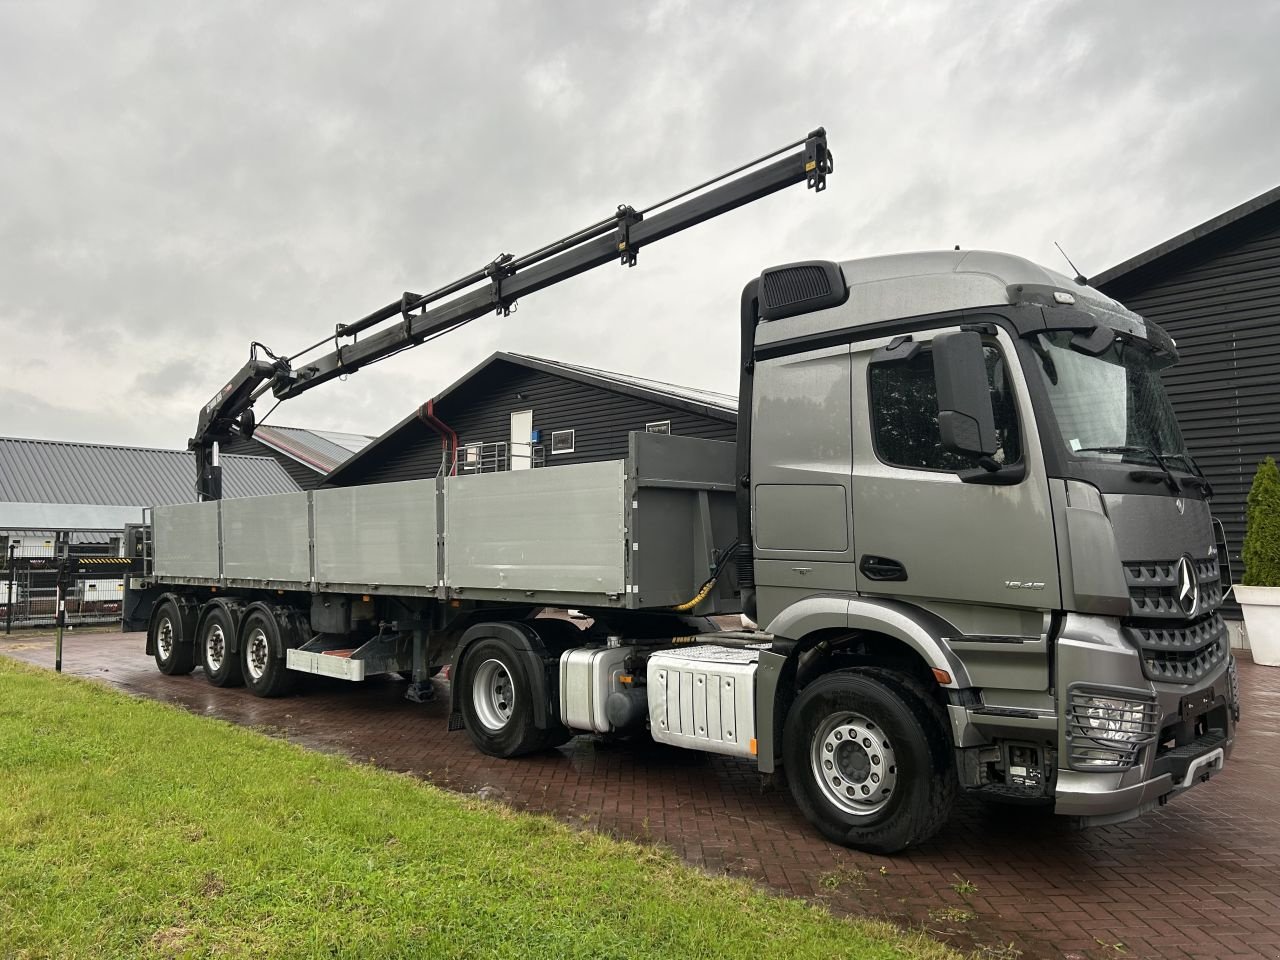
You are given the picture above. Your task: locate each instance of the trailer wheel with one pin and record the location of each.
(174, 653)
(496, 699)
(264, 670)
(222, 668)
(868, 761)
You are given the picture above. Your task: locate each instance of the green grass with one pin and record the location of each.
(129, 828)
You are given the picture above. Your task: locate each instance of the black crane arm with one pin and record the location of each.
(496, 287)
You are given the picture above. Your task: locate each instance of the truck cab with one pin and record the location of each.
(963, 468)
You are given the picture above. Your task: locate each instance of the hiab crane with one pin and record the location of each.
(959, 506)
(494, 288)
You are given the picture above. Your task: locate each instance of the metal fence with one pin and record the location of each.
(93, 587)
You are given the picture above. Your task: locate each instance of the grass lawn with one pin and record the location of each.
(129, 828)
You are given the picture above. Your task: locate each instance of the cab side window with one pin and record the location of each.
(904, 414)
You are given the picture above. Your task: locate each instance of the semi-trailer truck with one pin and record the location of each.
(959, 508)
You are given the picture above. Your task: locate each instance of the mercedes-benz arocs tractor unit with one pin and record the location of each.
(959, 507)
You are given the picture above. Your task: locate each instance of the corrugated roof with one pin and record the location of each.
(52, 471)
(321, 450)
(1187, 238)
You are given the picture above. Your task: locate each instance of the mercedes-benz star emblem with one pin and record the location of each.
(1188, 589)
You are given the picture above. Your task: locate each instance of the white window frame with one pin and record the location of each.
(560, 433)
(648, 427)
(471, 456)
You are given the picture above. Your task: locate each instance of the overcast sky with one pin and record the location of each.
(177, 179)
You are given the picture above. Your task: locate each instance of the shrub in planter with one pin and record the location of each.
(1259, 592)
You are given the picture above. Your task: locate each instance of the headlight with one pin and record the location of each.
(1107, 730)
(1119, 720)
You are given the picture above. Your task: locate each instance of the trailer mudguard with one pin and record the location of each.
(234, 609)
(537, 641)
(291, 627)
(188, 613)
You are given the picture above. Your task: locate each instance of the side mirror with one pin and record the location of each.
(966, 421)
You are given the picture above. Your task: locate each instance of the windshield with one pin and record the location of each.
(1111, 406)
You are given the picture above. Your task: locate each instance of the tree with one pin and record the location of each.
(1262, 524)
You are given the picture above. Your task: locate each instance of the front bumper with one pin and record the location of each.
(1195, 730)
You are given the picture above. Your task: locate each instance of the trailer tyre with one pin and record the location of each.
(264, 670)
(175, 655)
(496, 699)
(868, 761)
(222, 667)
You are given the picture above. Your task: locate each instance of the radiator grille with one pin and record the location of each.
(1181, 653)
(1153, 588)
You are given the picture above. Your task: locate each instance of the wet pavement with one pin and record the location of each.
(1197, 878)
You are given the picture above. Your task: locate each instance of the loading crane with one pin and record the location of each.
(495, 287)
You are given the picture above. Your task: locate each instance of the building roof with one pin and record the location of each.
(1188, 239)
(51, 484)
(321, 450)
(719, 406)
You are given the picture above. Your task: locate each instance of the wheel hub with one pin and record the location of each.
(852, 761)
(164, 639)
(256, 661)
(493, 695)
(215, 647)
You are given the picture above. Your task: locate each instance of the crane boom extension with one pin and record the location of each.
(504, 281)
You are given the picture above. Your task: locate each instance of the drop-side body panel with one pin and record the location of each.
(643, 532)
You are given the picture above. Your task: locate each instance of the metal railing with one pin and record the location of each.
(498, 457)
(93, 585)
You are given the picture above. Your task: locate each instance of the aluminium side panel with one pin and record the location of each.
(267, 538)
(555, 530)
(185, 540)
(381, 534)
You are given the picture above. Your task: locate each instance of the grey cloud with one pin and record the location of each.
(181, 178)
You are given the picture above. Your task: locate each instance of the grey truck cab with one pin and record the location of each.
(968, 491)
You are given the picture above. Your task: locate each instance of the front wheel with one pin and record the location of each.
(868, 761)
(496, 698)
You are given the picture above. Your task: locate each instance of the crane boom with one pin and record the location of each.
(495, 287)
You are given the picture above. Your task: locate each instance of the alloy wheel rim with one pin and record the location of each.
(853, 762)
(493, 695)
(164, 639)
(215, 647)
(256, 658)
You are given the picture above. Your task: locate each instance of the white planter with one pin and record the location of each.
(1261, 606)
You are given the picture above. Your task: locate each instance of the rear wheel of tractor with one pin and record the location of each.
(222, 668)
(175, 655)
(264, 670)
(496, 697)
(868, 761)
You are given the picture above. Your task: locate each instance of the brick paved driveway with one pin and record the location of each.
(1198, 878)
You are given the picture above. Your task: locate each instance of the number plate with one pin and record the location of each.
(1197, 703)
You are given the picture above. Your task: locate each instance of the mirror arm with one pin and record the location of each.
(1002, 476)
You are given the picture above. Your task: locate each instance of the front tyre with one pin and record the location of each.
(173, 652)
(496, 699)
(868, 761)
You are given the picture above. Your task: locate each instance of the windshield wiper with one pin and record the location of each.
(1199, 479)
(1129, 449)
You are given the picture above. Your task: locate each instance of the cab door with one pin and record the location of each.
(921, 530)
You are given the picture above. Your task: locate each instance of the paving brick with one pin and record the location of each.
(1197, 878)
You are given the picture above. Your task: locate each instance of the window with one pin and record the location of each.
(660, 426)
(904, 415)
(561, 441)
(470, 457)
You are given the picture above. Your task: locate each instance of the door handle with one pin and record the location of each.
(881, 568)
